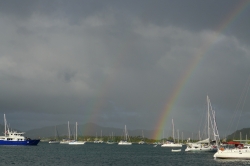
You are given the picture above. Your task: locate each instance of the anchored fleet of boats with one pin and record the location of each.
(228, 150)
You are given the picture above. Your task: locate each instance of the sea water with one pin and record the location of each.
(105, 154)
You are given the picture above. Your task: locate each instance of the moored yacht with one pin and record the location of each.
(15, 138)
(203, 145)
(126, 138)
(56, 139)
(75, 142)
(207, 145)
(142, 141)
(67, 141)
(172, 144)
(111, 140)
(233, 150)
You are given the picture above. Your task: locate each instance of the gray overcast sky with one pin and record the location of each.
(117, 62)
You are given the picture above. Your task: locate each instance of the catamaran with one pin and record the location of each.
(15, 138)
(126, 138)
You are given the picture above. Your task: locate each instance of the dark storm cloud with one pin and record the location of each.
(118, 62)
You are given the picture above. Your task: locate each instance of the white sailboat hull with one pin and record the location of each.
(64, 142)
(54, 142)
(171, 145)
(124, 143)
(203, 149)
(77, 143)
(176, 150)
(233, 154)
(111, 142)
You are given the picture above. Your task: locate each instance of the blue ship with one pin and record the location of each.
(15, 138)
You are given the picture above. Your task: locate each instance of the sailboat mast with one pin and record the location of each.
(240, 137)
(5, 123)
(178, 135)
(182, 137)
(199, 135)
(125, 133)
(173, 128)
(163, 137)
(55, 132)
(208, 129)
(76, 131)
(68, 130)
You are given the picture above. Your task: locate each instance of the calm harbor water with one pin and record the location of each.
(104, 154)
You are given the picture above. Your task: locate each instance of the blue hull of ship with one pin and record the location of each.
(27, 142)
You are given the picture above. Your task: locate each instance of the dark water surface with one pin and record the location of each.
(104, 154)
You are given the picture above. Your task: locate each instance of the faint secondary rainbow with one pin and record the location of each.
(231, 17)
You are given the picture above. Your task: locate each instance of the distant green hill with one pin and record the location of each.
(243, 133)
(88, 129)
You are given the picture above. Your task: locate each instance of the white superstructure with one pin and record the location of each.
(171, 144)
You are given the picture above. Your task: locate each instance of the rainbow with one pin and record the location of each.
(231, 17)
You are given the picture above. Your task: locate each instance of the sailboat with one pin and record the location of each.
(206, 144)
(98, 140)
(169, 143)
(56, 140)
(75, 142)
(66, 141)
(142, 141)
(235, 150)
(126, 138)
(111, 141)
